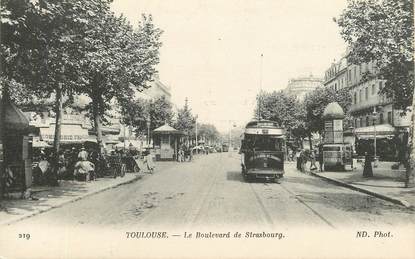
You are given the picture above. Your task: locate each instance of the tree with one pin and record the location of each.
(208, 131)
(40, 50)
(316, 101)
(285, 109)
(382, 31)
(185, 120)
(136, 113)
(118, 60)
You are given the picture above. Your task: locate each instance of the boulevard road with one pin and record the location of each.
(210, 191)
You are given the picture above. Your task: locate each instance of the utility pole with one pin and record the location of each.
(196, 129)
(260, 87)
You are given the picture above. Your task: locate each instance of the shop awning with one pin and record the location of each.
(69, 134)
(382, 131)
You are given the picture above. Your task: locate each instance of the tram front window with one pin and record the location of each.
(263, 143)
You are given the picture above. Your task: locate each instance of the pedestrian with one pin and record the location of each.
(304, 157)
(83, 155)
(367, 168)
(320, 157)
(298, 157)
(313, 155)
(290, 154)
(179, 155)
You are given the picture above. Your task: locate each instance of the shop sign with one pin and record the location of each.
(50, 137)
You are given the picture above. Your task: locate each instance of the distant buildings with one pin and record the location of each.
(336, 76)
(300, 86)
(156, 90)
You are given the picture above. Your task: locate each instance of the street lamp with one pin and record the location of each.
(374, 142)
(196, 130)
(148, 130)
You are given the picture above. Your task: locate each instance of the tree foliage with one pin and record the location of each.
(382, 31)
(136, 113)
(208, 131)
(285, 109)
(316, 101)
(185, 120)
(57, 48)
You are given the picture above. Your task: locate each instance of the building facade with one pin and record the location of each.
(157, 89)
(373, 115)
(300, 86)
(336, 76)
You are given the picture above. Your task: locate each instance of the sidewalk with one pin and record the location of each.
(47, 198)
(386, 183)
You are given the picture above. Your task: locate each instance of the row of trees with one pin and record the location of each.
(301, 118)
(56, 49)
(137, 113)
(61, 48)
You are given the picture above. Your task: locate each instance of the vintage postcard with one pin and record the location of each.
(207, 129)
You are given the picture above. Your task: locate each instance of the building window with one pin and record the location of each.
(335, 87)
(373, 89)
(361, 122)
(360, 95)
(390, 118)
(366, 93)
(381, 118)
(355, 97)
(380, 86)
(367, 121)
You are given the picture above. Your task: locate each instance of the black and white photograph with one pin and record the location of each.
(207, 129)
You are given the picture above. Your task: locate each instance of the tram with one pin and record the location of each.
(262, 151)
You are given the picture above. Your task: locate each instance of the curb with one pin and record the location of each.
(375, 194)
(40, 211)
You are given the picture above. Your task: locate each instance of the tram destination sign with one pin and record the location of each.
(262, 131)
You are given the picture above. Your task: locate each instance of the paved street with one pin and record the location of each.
(210, 191)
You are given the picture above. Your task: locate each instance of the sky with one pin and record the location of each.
(212, 49)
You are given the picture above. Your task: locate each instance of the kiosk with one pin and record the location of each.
(336, 153)
(166, 141)
(15, 149)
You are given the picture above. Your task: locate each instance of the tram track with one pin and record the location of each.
(194, 217)
(291, 193)
(262, 206)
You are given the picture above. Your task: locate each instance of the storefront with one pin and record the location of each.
(166, 142)
(383, 136)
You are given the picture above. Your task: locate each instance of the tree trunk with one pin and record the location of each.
(410, 168)
(97, 123)
(57, 137)
(310, 141)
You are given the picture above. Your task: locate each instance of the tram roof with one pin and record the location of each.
(264, 127)
(262, 124)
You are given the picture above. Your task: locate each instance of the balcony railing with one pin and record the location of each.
(376, 100)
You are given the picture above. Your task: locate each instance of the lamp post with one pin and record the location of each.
(196, 130)
(148, 130)
(374, 142)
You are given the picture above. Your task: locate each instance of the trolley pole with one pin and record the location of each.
(260, 87)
